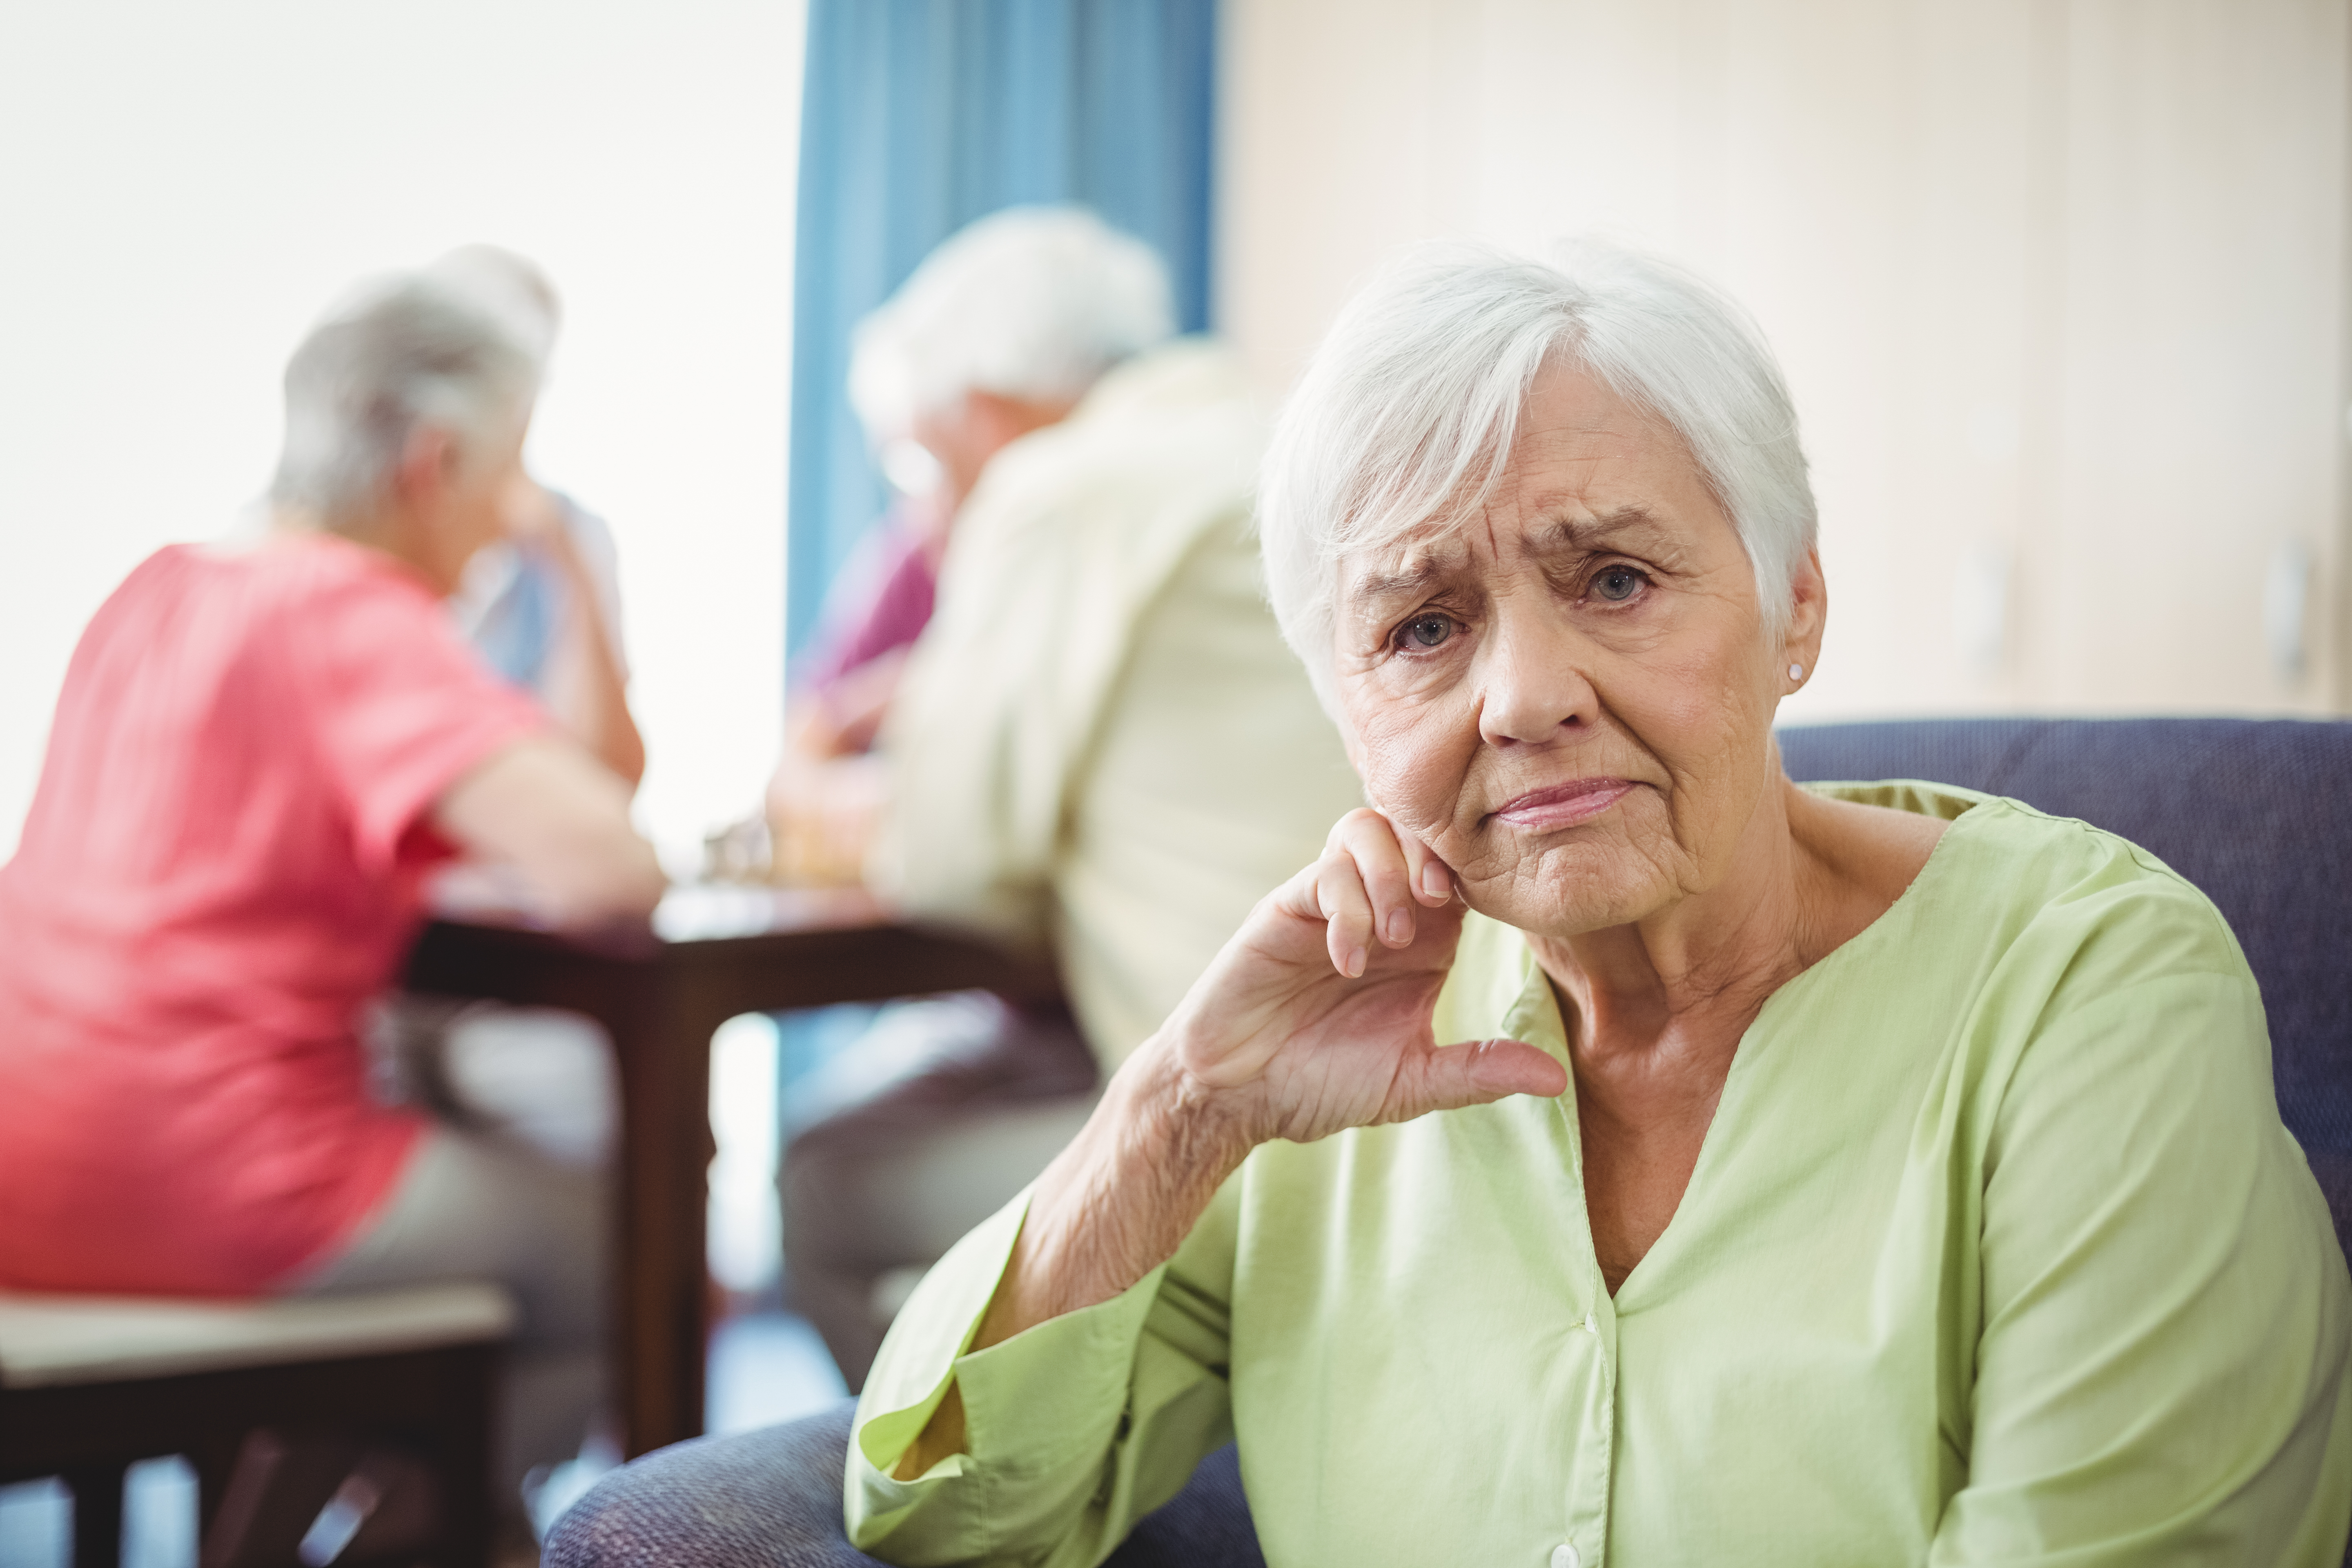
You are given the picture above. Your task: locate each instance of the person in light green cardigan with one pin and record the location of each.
(1610, 1151)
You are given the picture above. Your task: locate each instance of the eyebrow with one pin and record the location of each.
(1411, 578)
(1562, 534)
(1569, 534)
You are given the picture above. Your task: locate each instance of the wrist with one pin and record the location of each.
(1121, 1198)
(1183, 1126)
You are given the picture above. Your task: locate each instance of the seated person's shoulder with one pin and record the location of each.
(2070, 983)
(2060, 930)
(301, 600)
(320, 577)
(1084, 471)
(2102, 881)
(2015, 868)
(2025, 935)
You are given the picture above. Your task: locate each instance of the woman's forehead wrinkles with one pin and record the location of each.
(1566, 525)
(1414, 564)
(1593, 437)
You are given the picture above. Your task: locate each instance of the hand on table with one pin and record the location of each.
(823, 818)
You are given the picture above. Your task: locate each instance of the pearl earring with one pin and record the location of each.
(1796, 672)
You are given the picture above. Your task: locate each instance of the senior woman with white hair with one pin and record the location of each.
(1866, 1174)
(259, 753)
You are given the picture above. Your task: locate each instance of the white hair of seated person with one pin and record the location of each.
(538, 1075)
(509, 286)
(408, 353)
(1406, 415)
(1029, 303)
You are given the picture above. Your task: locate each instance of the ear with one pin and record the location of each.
(1002, 420)
(427, 464)
(1809, 608)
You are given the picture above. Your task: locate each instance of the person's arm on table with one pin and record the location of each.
(546, 809)
(585, 693)
(822, 816)
(1044, 1389)
(841, 717)
(2162, 1374)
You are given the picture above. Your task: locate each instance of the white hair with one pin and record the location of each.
(406, 353)
(511, 287)
(1031, 302)
(1406, 415)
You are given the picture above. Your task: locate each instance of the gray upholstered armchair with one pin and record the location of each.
(2256, 812)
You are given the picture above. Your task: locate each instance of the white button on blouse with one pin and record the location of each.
(1564, 1555)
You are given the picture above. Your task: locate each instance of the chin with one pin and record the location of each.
(1569, 891)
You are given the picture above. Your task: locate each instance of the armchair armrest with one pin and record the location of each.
(771, 1498)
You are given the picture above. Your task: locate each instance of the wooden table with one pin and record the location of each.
(708, 955)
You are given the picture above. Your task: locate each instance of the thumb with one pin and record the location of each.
(1448, 1077)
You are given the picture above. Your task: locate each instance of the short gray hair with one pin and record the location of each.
(1406, 415)
(1031, 302)
(509, 286)
(407, 354)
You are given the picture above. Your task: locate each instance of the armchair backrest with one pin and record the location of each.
(2257, 813)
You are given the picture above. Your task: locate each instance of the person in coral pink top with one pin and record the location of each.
(257, 755)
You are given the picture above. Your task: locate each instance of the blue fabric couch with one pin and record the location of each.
(2256, 812)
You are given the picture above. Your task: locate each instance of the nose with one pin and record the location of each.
(1534, 686)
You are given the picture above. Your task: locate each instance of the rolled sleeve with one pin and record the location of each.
(1040, 1412)
(1074, 1428)
(401, 708)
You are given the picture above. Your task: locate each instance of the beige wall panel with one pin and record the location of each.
(1876, 189)
(1326, 135)
(1897, 190)
(2201, 381)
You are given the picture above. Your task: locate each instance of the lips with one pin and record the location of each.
(1563, 805)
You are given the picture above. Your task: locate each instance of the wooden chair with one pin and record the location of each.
(389, 1385)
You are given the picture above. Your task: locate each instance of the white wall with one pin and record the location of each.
(182, 188)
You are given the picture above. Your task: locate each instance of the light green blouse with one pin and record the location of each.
(1995, 1252)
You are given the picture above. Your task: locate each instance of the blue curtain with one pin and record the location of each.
(922, 115)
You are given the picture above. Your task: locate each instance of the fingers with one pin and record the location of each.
(1432, 880)
(1379, 853)
(527, 510)
(1448, 1077)
(1341, 898)
(1366, 888)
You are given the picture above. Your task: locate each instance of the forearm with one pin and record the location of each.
(586, 692)
(548, 812)
(1306, 1024)
(1119, 1201)
(1113, 1206)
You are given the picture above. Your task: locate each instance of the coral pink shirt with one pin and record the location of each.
(221, 865)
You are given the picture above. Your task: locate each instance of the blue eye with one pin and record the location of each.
(1618, 584)
(1425, 631)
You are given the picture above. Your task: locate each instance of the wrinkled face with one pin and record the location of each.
(1570, 699)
